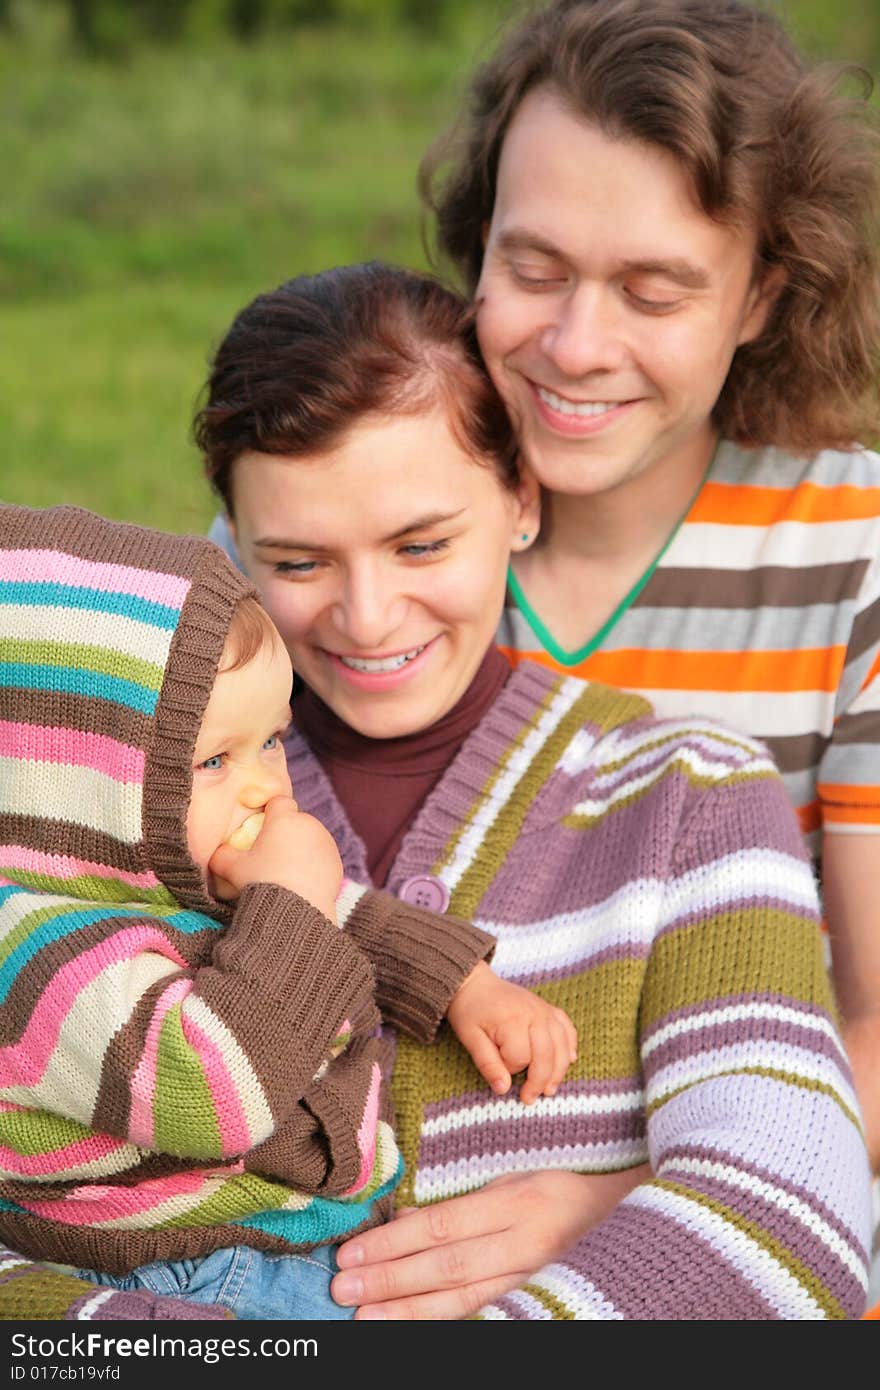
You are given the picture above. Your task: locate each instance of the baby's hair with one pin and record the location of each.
(302, 365)
(250, 630)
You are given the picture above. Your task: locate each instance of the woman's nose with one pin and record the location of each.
(369, 610)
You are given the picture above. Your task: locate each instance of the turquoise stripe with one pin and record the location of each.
(66, 923)
(71, 681)
(324, 1219)
(142, 610)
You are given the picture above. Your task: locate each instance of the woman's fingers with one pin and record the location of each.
(451, 1305)
(435, 1282)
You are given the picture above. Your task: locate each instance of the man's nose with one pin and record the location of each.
(585, 333)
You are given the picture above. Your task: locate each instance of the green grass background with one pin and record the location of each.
(147, 197)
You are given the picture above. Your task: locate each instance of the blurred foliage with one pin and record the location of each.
(169, 159)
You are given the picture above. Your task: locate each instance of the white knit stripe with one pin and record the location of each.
(624, 743)
(773, 714)
(118, 1161)
(586, 1301)
(350, 895)
(747, 875)
(546, 1107)
(657, 761)
(749, 1054)
(758, 1266)
(750, 547)
(179, 1204)
(518, 762)
(250, 1093)
(532, 1307)
(628, 917)
(72, 1077)
(99, 1298)
(82, 626)
(866, 702)
(622, 786)
(492, 1313)
(80, 795)
(778, 1197)
(740, 1013)
(465, 1174)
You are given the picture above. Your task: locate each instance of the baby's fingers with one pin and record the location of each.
(487, 1059)
(554, 1048)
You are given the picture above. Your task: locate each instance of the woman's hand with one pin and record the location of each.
(507, 1029)
(448, 1259)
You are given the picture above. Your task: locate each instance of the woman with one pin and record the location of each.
(648, 876)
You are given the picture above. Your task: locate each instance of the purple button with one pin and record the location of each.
(425, 891)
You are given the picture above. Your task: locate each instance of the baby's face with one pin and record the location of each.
(239, 761)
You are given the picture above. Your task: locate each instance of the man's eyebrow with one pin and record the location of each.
(420, 523)
(683, 272)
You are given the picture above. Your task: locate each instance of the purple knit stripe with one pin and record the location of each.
(797, 1239)
(765, 1030)
(728, 1001)
(701, 916)
(529, 1133)
(642, 761)
(574, 968)
(616, 1086)
(773, 1179)
(652, 1267)
(513, 1310)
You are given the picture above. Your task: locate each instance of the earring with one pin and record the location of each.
(524, 536)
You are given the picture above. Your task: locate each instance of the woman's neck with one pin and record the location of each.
(382, 783)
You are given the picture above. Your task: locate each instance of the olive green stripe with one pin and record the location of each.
(30, 1132)
(784, 957)
(105, 661)
(31, 921)
(804, 1083)
(674, 736)
(89, 888)
(560, 1311)
(762, 1238)
(243, 1195)
(505, 830)
(192, 1132)
(583, 820)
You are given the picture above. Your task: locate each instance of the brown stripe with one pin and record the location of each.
(865, 634)
(63, 837)
(74, 531)
(858, 728)
(797, 752)
(54, 710)
(772, 586)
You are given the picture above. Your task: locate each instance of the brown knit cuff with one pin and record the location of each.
(196, 648)
(420, 959)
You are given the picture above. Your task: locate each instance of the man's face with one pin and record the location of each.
(610, 305)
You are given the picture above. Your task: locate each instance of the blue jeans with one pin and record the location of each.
(253, 1284)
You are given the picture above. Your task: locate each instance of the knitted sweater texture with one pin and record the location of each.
(649, 877)
(168, 1077)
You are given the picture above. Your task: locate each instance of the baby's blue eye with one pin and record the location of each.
(271, 742)
(213, 764)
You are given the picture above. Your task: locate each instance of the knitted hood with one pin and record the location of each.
(110, 638)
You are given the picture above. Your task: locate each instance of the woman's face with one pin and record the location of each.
(382, 563)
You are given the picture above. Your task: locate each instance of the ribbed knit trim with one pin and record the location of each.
(195, 654)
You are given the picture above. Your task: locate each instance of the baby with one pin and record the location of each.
(194, 1082)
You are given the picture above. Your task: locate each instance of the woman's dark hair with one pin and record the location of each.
(767, 141)
(303, 364)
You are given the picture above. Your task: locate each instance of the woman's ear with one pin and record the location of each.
(527, 513)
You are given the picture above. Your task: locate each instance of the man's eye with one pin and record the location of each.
(533, 278)
(212, 764)
(271, 742)
(651, 306)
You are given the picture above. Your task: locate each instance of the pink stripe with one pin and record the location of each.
(63, 866)
(54, 1162)
(97, 1203)
(235, 1134)
(367, 1133)
(40, 566)
(39, 743)
(143, 1083)
(23, 1063)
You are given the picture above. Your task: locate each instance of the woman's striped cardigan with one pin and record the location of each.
(649, 878)
(159, 1051)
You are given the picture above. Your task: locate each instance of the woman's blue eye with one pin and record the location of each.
(271, 742)
(213, 764)
(419, 548)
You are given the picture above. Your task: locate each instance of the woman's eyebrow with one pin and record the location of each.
(420, 523)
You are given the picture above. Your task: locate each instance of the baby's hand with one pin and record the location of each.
(506, 1028)
(292, 849)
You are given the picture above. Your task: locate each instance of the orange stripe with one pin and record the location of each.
(848, 794)
(780, 672)
(810, 817)
(873, 1314)
(874, 671)
(741, 505)
(851, 815)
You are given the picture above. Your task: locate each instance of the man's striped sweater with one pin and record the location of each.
(649, 877)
